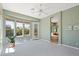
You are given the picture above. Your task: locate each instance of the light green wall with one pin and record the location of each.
(1, 22)
(45, 26)
(19, 16)
(1, 28)
(70, 17)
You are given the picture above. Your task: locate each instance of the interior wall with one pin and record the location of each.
(0, 22)
(22, 18)
(1, 28)
(57, 16)
(18, 16)
(45, 26)
(70, 26)
(70, 19)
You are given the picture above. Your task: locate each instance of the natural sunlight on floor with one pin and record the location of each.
(9, 50)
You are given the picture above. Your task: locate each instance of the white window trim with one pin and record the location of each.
(23, 35)
(29, 30)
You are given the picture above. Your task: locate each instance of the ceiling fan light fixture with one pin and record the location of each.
(40, 11)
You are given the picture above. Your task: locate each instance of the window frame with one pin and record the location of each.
(14, 26)
(22, 29)
(29, 29)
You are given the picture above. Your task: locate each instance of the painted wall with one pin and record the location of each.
(19, 17)
(45, 26)
(0, 22)
(13, 16)
(1, 28)
(70, 18)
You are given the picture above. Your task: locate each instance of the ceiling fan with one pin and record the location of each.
(40, 11)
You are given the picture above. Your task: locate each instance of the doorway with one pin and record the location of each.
(54, 27)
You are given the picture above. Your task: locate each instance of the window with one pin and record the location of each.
(26, 29)
(19, 29)
(9, 28)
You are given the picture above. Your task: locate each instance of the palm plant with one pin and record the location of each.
(11, 39)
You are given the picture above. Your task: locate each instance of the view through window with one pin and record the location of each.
(19, 29)
(9, 28)
(26, 29)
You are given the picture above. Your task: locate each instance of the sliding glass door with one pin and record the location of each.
(35, 30)
(22, 29)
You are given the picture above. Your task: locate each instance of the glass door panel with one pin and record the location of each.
(35, 30)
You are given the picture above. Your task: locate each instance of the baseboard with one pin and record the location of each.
(69, 46)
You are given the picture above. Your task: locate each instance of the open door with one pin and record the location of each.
(54, 31)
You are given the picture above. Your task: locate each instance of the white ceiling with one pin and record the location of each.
(48, 8)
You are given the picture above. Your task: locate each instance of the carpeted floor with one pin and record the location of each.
(41, 48)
